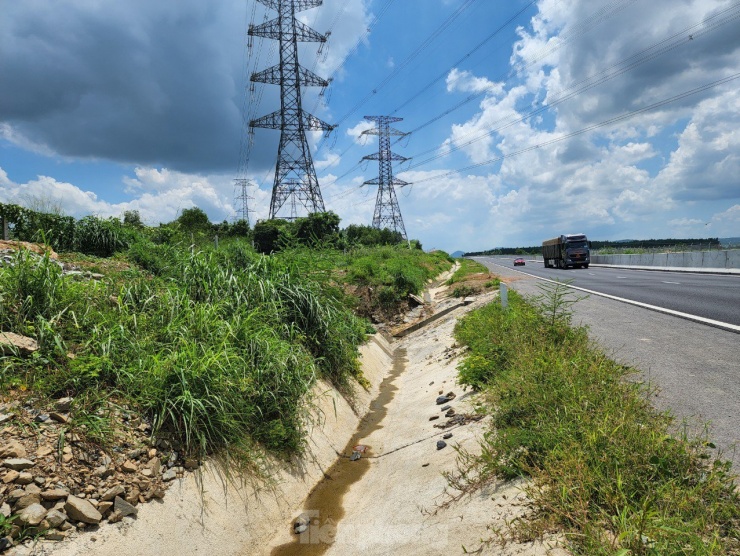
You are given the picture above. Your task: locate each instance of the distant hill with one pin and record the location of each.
(727, 241)
(457, 254)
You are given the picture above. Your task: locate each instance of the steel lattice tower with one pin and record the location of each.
(295, 177)
(387, 213)
(243, 199)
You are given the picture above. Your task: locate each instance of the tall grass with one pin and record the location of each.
(608, 470)
(218, 348)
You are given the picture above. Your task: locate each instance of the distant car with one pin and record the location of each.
(519, 262)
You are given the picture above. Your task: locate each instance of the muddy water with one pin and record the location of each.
(324, 503)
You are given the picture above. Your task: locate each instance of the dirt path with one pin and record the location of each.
(389, 501)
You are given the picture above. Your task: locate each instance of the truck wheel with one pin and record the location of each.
(585, 266)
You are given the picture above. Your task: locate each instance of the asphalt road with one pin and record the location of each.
(694, 368)
(711, 296)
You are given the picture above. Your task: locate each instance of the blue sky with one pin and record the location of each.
(617, 118)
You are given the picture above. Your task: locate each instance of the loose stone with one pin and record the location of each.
(82, 510)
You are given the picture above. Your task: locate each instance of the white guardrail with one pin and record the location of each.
(728, 259)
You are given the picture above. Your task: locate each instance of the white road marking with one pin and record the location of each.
(621, 277)
(687, 316)
(667, 282)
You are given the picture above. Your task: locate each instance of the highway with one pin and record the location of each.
(694, 367)
(710, 296)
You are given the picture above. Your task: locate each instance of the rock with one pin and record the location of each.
(133, 496)
(28, 499)
(41, 418)
(32, 515)
(40, 481)
(55, 536)
(112, 492)
(155, 464)
(103, 472)
(44, 451)
(33, 489)
(62, 418)
(55, 518)
(425, 465)
(81, 510)
(54, 494)
(11, 343)
(191, 464)
(5, 543)
(355, 456)
(451, 395)
(10, 477)
(123, 507)
(12, 449)
(445, 408)
(301, 523)
(63, 404)
(448, 435)
(115, 517)
(450, 412)
(169, 475)
(4, 417)
(441, 444)
(104, 507)
(5, 509)
(433, 417)
(24, 478)
(14, 495)
(442, 399)
(129, 467)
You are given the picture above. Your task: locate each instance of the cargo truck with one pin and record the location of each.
(566, 251)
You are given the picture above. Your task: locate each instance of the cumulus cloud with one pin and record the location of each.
(149, 83)
(161, 195)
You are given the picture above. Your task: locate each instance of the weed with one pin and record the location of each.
(606, 470)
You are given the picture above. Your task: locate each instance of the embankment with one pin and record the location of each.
(212, 512)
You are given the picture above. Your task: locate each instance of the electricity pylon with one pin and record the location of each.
(243, 199)
(295, 177)
(387, 213)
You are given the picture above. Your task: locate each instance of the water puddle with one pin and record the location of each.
(323, 508)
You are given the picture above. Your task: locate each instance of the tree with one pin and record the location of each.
(317, 228)
(268, 234)
(194, 220)
(132, 218)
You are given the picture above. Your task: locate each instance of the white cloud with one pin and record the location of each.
(161, 195)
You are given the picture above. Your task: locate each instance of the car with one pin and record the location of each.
(519, 262)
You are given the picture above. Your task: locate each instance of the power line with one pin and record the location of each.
(295, 177)
(681, 38)
(387, 212)
(586, 129)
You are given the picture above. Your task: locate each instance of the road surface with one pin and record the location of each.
(695, 367)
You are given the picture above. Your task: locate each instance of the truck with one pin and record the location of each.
(568, 250)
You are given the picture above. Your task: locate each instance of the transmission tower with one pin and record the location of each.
(295, 177)
(387, 213)
(242, 199)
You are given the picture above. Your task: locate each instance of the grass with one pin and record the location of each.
(218, 348)
(467, 268)
(608, 472)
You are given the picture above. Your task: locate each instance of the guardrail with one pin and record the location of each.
(726, 259)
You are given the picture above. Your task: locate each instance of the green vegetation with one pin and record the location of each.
(607, 472)
(467, 268)
(216, 346)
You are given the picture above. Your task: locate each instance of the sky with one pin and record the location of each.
(524, 119)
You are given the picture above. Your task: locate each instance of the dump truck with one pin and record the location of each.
(569, 250)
